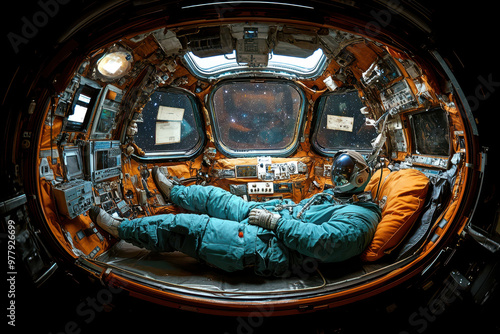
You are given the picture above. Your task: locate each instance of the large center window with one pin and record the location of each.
(257, 117)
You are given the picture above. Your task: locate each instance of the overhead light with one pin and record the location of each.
(114, 65)
(230, 3)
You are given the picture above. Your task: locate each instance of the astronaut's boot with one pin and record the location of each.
(104, 220)
(163, 184)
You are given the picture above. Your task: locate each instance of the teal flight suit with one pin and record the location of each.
(218, 232)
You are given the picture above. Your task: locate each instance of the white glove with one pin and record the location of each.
(263, 218)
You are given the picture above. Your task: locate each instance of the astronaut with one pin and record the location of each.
(272, 237)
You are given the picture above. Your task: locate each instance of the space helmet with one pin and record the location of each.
(350, 172)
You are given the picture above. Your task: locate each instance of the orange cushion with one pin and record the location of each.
(401, 198)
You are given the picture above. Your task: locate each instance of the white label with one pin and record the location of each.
(168, 133)
(330, 84)
(170, 114)
(341, 123)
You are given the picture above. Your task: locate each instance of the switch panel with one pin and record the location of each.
(260, 188)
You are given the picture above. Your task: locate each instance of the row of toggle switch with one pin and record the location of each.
(260, 188)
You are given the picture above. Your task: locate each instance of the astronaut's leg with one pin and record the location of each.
(213, 201)
(226, 244)
(165, 233)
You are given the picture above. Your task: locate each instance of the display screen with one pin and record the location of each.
(105, 160)
(80, 115)
(246, 171)
(106, 121)
(73, 165)
(431, 133)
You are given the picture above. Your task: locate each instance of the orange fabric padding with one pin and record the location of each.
(401, 197)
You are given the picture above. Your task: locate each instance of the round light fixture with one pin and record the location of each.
(114, 65)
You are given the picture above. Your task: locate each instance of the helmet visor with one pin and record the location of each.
(342, 170)
(341, 177)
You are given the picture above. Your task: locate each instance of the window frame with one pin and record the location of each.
(231, 153)
(197, 149)
(281, 69)
(413, 134)
(319, 109)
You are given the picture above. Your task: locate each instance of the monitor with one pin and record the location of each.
(105, 115)
(430, 132)
(73, 164)
(83, 106)
(103, 159)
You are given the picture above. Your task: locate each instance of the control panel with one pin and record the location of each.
(103, 159)
(109, 197)
(398, 97)
(437, 162)
(259, 188)
(73, 198)
(397, 137)
(268, 171)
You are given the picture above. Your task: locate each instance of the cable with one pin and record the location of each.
(380, 180)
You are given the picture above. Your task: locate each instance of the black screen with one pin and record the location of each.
(431, 133)
(104, 160)
(73, 165)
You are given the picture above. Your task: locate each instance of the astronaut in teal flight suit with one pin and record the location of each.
(230, 233)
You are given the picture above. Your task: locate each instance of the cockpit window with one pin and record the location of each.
(217, 66)
(341, 125)
(257, 118)
(171, 125)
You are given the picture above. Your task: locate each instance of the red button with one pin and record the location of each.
(240, 234)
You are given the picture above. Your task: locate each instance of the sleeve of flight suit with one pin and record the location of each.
(346, 234)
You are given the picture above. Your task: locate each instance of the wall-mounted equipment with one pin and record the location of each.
(73, 198)
(72, 163)
(83, 106)
(106, 113)
(253, 48)
(103, 159)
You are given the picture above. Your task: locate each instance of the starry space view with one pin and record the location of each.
(346, 104)
(190, 129)
(257, 116)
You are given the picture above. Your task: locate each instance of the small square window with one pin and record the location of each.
(171, 126)
(431, 135)
(340, 125)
